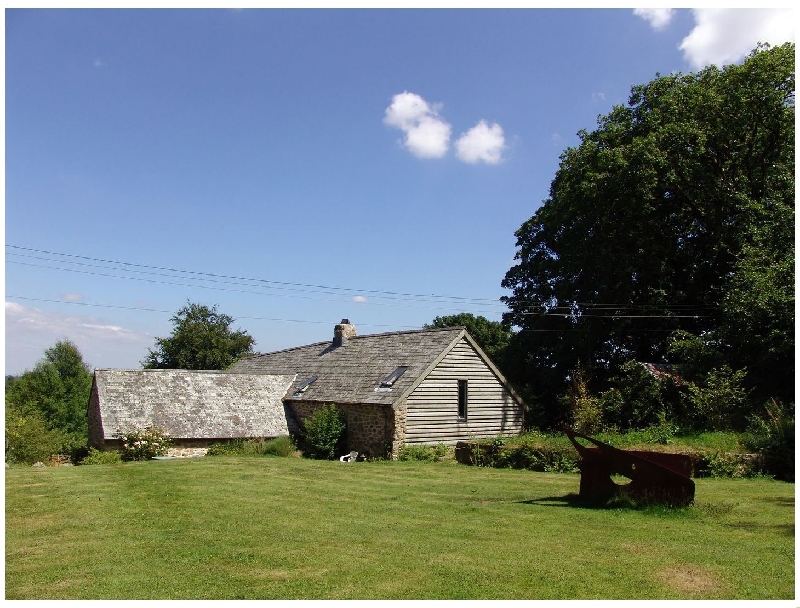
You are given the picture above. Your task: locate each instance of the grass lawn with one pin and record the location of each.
(287, 528)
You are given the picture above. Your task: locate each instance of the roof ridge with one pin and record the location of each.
(411, 331)
(357, 337)
(163, 369)
(283, 350)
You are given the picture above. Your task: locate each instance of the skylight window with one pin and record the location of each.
(389, 380)
(303, 386)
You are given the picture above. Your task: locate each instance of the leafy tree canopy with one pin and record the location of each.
(676, 213)
(492, 336)
(201, 338)
(52, 397)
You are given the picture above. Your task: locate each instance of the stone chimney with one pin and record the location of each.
(342, 332)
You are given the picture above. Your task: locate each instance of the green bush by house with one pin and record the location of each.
(324, 434)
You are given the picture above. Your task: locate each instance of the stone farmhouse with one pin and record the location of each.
(422, 386)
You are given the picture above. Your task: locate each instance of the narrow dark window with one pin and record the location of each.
(462, 399)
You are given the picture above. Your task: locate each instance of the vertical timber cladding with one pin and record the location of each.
(432, 414)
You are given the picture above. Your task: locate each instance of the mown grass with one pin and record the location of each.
(286, 528)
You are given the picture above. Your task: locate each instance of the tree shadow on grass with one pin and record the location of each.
(570, 500)
(779, 500)
(575, 501)
(782, 529)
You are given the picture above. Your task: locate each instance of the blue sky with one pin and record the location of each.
(296, 167)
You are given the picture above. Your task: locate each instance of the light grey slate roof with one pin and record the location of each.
(192, 404)
(351, 372)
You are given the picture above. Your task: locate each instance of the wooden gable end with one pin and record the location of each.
(432, 413)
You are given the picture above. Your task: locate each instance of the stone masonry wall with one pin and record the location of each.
(93, 419)
(371, 429)
(399, 434)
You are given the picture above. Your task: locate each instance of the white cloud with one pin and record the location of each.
(658, 18)
(71, 297)
(109, 329)
(482, 143)
(359, 299)
(724, 36)
(30, 331)
(427, 134)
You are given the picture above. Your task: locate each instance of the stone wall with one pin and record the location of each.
(179, 445)
(399, 434)
(93, 418)
(371, 429)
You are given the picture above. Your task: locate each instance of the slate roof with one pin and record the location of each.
(192, 404)
(350, 373)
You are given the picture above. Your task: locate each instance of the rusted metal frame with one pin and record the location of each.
(650, 481)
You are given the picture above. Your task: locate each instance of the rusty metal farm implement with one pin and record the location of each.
(655, 477)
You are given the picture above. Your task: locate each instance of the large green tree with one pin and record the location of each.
(676, 213)
(201, 338)
(46, 406)
(492, 336)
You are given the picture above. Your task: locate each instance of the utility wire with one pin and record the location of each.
(569, 310)
(225, 289)
(142, 309)
(159, 274)
(612, 316)
(254, 279)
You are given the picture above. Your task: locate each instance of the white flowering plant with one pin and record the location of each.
(143, 444)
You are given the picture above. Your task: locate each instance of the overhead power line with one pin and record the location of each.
(143, 309)
(612, 316)
(391, 326)
(225, 289)
(215, 276)
(227, 283)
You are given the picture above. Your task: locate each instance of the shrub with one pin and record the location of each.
(533, 452)
(229, 448)
(725, 464)
(426, 453)
(719, 402)
(279, 446)
(324, 434)
(661, 433)
(97, 457)
(587, 416)
(143, 444)
(28, 439)
(58, 388)
(772, 436)
(78, 453)
(544, 458)
(638, 399)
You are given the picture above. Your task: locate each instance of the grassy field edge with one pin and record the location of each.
(286, 528)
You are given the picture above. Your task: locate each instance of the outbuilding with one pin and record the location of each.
(196, 408)
(424, 386)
